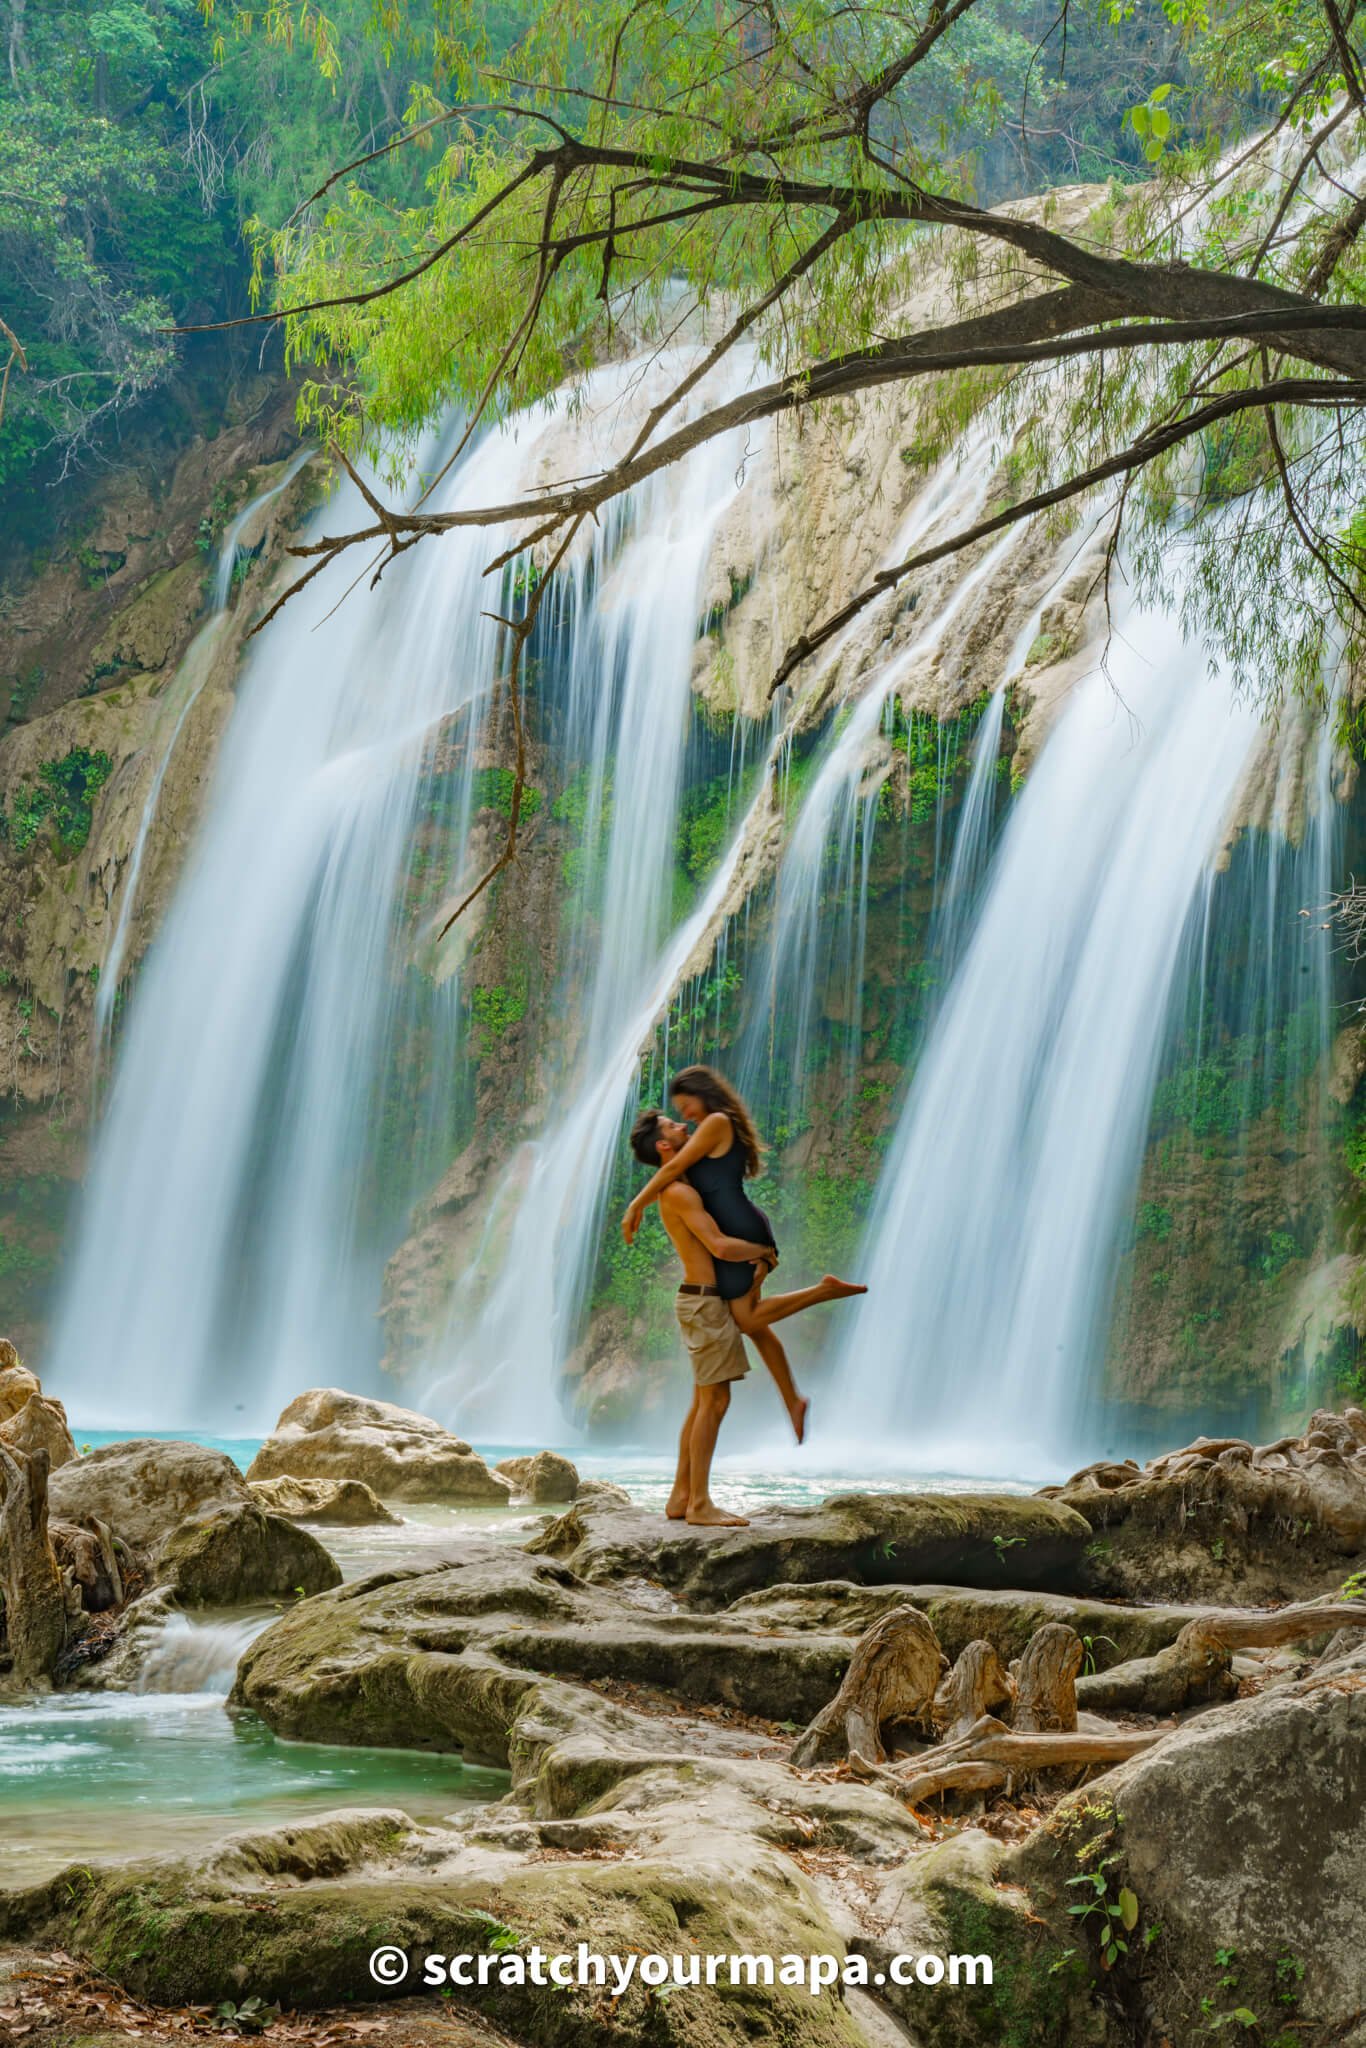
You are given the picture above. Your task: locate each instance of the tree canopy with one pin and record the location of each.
(1195, 343)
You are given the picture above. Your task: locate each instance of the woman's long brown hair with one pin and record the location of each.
(715, 1092)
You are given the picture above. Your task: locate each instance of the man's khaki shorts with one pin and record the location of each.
(714, 1343)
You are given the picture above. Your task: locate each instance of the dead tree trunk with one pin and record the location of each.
(894, 1671)
(1045, 1676)
(978, 1684)
(30, 1582)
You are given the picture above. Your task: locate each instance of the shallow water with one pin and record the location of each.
(110, 1777)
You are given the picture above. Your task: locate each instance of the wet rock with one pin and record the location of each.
(239, 1555)
(604, 1492)
(349, 1502)
(875, 1539)
(544, 1478)
(40, 1424)
(1226, 1521)
(145, 1488)
(328, 1434)
(442, 1659)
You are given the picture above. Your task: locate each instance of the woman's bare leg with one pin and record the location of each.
(779, 1306)
(770, 1349)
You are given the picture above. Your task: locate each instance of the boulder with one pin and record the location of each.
(544, 1479)
(327, 1434)
(983, 1539)
(145, 1488)
(1230, 1522)
(349, 1502)
(1242, 1837)
(238, 1555)
(40, 1425)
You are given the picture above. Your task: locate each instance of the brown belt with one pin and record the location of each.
(691, 1287)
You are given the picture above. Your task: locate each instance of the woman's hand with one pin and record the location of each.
(631, 1221)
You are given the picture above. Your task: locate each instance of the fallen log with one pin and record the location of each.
(892, 1678)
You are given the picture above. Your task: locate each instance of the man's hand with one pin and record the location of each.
(631, 1221)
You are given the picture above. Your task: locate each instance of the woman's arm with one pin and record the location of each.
(699, 1146)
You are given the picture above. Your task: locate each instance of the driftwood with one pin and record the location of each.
(993, 1756)
(977, 1684)
(1196, 1665)
(30, 1581)
(1045, 1676)
(892, 1677)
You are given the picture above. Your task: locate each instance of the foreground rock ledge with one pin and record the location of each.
(966, 1539)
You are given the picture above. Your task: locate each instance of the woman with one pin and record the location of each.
(722, 1153)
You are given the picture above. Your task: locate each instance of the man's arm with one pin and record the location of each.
(687, 1204)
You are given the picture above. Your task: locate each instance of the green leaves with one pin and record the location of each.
(1153, 124)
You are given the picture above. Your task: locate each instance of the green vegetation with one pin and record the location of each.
(492, 791)
(63, 799)
(495, 1010)
(135, 145)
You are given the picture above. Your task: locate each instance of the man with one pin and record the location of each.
(709, 1330)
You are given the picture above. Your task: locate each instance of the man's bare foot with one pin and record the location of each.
(676, 1506)
(796, 1415)
(709, 1516)
(837, 1290)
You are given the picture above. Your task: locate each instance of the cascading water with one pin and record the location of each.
(193, 674)
(221, 1234)
(994, 1238)
(515, 1315)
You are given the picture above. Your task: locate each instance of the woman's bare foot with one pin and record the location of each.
(796, 1415)
(709, 1516)
(837, 1290)
(676, 1506)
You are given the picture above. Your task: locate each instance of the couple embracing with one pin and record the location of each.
(727, 1248)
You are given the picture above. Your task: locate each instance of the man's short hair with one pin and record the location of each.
(645, 1137)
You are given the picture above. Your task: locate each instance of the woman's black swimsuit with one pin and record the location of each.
(721, 1184)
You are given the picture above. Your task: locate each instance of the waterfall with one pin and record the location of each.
(197, 1656)
(193, 674)
(221, 1246)
(992, 1246)
(515, 1313)
(218, 1253)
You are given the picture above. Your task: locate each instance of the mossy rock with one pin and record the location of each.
(977, 1540)
(239, 1555)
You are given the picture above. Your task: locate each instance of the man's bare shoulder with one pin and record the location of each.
(679, 1197)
